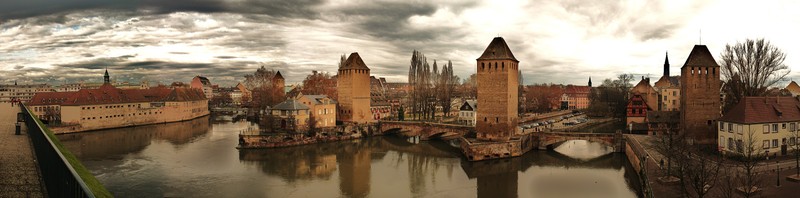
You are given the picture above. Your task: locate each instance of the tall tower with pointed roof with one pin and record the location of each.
(666, 64)
(106, 78)
(353, 87)
(700, 99)
(497, 92)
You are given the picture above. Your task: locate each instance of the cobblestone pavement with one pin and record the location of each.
(19, 174)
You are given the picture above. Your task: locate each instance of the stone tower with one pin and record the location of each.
(353, 87)
(279, 83)
(700, 99)
(498, 79)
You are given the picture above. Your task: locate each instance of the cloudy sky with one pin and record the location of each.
(559, 41)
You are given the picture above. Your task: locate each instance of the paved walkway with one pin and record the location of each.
(19, 174)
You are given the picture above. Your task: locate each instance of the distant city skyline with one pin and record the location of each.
(555, 41)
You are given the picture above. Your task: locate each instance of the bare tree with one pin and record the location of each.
(320, 83)
(700, 172)
(749, 68)
(750, 154)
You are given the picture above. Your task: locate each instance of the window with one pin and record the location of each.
(792, 126)
(775, 143)
(730, 144)
(774, 128)
(766, 128)
(791, 141)
(730, 127)
(783, 126)
(765, 144)
(721, 140)
(721, 128)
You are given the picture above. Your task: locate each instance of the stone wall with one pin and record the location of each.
(700, 102)
(497, 115)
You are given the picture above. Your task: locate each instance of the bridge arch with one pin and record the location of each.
(549, 139)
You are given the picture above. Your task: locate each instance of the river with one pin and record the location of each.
(198, 158)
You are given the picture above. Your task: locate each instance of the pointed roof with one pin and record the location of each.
(700, 57)
(354, 62)
(278, 75)
(793, 88)
(497, 49)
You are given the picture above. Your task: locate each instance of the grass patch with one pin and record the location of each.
(94, 185)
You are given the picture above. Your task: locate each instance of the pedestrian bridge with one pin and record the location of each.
(424, 130)
(551, 139)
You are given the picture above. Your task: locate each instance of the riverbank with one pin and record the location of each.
(255, 139)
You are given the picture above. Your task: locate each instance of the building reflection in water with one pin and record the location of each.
(116, 142)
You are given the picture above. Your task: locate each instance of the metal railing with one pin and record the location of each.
(60, 178)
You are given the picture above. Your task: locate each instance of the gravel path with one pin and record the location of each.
(19, 174)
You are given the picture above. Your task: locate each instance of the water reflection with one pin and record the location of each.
(193, 159)
(114, 142)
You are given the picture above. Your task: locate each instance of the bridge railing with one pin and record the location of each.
(60, 178)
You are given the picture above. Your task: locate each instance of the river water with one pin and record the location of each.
(198, 158)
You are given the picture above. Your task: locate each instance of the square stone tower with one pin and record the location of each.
(498, 79)
(353, 87)
(700, 99)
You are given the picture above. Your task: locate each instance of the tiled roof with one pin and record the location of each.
(700, 57)
(290, 104)
(354, 62)
(753, 109)
(497, 49)
(663, 116)
(108, 94)
(574, 89)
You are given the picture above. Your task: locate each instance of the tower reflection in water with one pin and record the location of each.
(536, 174)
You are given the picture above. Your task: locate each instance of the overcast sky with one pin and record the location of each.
(558, 41)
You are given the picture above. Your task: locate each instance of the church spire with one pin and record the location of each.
(590, 81)
(666, 65)
(106, 78)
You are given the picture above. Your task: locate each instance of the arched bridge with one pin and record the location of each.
(424, 130)
(614, 140)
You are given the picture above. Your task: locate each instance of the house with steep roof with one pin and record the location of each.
(467, 112)
(202, 83)
(668, 89)
(291, 115)
(793, 89)
(771, 123)
(322, 109)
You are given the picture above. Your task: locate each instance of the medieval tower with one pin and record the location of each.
(353, 87)
(279, 83)
(700, 99)
(498, 79)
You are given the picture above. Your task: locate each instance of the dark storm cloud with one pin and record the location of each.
(19, 67)
(279, 8)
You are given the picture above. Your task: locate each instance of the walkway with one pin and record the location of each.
(19, 175)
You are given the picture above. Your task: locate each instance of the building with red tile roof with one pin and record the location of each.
(769, 121)
(112, 107)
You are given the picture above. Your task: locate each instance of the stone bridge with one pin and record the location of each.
(550, 139)
(424, 130)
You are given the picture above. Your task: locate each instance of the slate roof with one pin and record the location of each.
(354, 62)
(278, 75)
(497, 49)
(753, 109)
(204, 80)
(469, 104)
(663, 116)
(700, 57)
(290, 104)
